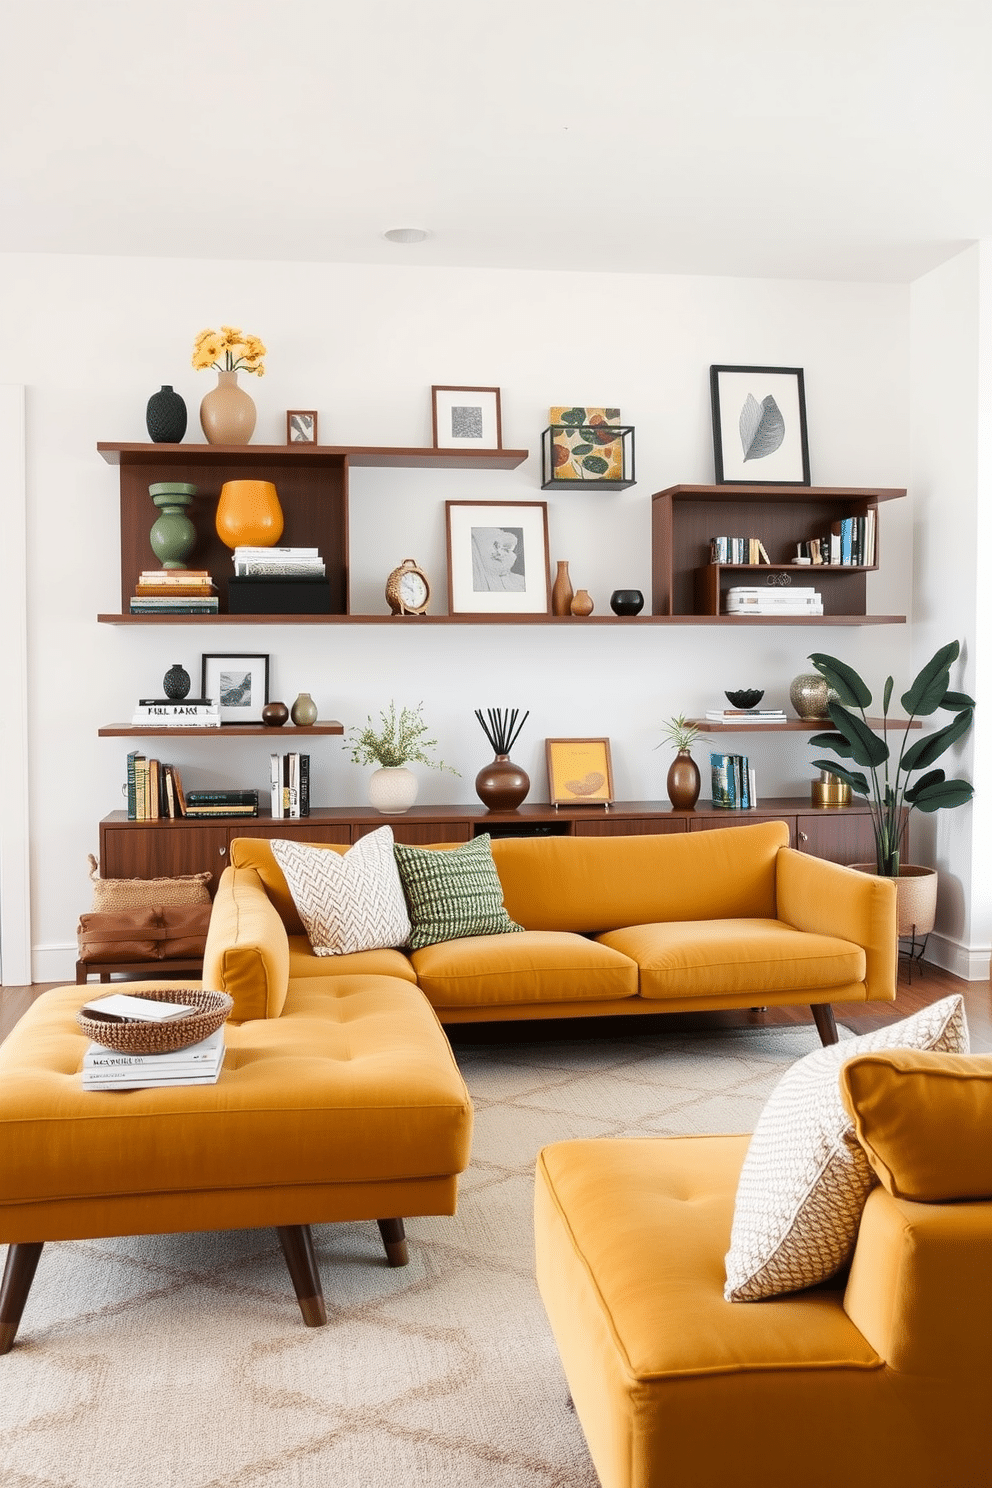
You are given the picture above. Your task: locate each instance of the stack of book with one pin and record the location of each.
(850, 543)
(168, 713)
(746, 715)
(733, 784)
(737, 550)
(174, 591)
(289, 780)
(220, 803)
(301, 563)
(153, 789)
(200, 1064)
(772, 600)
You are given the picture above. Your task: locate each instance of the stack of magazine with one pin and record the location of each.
(772, 600)
(296, 563)
(172, 713)
(200, 1064)
(174, 591)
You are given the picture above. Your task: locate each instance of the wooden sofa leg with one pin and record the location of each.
(297, 1247)
(823, 1017)
(394, 1239)
(18, 1274)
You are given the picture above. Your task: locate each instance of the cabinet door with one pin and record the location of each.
(164, 851)
(630, 826)
(838, 835)
(418, 834)
(298, 829)
(712, 820)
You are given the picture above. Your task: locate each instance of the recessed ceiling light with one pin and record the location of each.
(406, 234)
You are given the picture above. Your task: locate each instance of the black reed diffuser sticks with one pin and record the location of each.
(501, 728)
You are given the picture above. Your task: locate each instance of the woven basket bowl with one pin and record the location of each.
(139, 1037)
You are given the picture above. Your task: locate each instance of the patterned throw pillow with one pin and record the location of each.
(349, 901)
(453, 893)
(806, 1177)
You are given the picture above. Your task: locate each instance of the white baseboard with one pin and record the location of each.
(54, 963)
(970, 963)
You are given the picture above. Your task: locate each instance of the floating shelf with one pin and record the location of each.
(226, 731)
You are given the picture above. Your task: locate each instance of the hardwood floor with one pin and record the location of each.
(928, 985)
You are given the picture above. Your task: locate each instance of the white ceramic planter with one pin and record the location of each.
(393, 789)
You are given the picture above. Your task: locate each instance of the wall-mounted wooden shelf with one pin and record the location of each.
(795, 725)
(226, 731)
(412, 621)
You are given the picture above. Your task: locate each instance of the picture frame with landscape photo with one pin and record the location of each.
(580, 772)
(498, 557)
(301, 426)
(466, 418)
(759, 426)
(240, 683)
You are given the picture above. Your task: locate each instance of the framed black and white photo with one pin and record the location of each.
(466, 418)
(497, 557)
(301, 426)
(238, 682)
(759, 426)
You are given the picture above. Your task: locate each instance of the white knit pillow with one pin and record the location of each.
(349, 901)
(806, 1178)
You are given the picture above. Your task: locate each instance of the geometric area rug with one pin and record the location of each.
(181, 1361)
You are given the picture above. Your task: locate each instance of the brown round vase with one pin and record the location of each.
(502, 785)
(683, 781)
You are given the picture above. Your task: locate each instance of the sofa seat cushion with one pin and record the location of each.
(355, 1082)
(696, 957)
(304, 963)
(531, 966)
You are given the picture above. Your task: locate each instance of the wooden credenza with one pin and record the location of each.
(152, 849)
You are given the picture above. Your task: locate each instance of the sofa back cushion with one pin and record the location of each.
(596, 884)
(923, 1120)
(256, 852)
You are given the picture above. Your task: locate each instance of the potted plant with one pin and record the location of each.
(683, 780)
(398, 740)
(886, 785)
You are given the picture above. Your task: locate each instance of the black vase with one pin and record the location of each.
(175, 683)
(165, 416)
(626, 601)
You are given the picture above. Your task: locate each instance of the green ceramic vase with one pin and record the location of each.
(173, 536)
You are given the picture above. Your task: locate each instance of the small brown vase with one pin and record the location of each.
(683, 781)
(274, 715)
(561, 591)
(582, 603)
(502, 785)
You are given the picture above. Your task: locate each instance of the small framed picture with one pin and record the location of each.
(240, 684)
(759, 426)
(580, 772)
(497, 557)
(301, 426)
(466, 418)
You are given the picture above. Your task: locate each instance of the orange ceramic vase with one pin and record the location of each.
(249, 514)
(227, 413)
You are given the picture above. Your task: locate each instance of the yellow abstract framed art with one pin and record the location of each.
(580, 772)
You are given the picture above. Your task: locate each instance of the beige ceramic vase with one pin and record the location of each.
(227, 413)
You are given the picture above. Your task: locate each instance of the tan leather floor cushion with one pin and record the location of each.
(690, 958)
(355, 1082)
(532, 966)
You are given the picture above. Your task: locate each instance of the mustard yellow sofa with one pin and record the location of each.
(730, 918)
(882, 1375)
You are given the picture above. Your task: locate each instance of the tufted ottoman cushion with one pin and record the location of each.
(347, 1106)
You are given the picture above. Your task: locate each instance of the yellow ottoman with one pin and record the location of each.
(347, 1106)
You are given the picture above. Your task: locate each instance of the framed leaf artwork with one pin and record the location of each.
(586, 444)
(759, 426)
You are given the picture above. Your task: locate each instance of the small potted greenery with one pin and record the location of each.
(398, 740)
(886, 785)
(683, 780)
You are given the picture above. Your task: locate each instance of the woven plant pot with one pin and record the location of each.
(138, 1037)
(916, 897)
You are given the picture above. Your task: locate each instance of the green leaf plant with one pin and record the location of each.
(887, 785)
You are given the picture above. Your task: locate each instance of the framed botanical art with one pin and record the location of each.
(466, 418)
(580, 772)
(239, 682)
(759, 426)
(497, 557)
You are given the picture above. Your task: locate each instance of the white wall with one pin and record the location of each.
(951, 431)
(93, 337)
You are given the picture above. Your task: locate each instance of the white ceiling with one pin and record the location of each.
(845, 139)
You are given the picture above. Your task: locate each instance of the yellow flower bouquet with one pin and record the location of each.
(228, 350)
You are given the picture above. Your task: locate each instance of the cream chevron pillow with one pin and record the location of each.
(806, 1177)
(349, 901)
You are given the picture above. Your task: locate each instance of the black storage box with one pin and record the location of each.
(278, 594)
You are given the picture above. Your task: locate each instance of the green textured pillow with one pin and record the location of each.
(453, 893)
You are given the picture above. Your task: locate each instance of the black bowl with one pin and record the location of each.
(626, 601)
(745, 697)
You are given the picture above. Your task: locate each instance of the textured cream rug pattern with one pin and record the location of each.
(182, 1362)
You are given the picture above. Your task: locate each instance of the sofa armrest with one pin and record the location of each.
(816, 895)
(247, 950)
(920, 1286)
